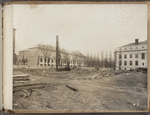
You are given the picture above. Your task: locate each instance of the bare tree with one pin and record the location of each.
(110, 59)
(106, 59)
(114, 64)
(46, 51)
(66, 59)
(88, 60)
(91, 61)
(102, 58)
(98, 63)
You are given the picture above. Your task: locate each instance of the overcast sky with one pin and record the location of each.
(87, 28)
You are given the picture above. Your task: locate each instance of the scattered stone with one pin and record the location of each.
(134, 104)
(16, 104)
(26, 93)
(43, 73)
(48, 106)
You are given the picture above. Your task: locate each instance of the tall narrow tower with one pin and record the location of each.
(57, 52)
(14, 54)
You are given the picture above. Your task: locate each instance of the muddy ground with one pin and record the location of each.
(121, 92)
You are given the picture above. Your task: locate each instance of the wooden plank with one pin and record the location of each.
(28, 88)
(21, 79)
(23, 75)
(32, 84)
(72, 88)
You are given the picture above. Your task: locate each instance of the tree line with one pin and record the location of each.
(101, 60)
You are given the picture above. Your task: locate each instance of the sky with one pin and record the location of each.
(88, 28)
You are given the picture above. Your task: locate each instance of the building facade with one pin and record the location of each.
(131, 56)
(46, 56)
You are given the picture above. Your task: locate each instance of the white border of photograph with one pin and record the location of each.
(7, 56)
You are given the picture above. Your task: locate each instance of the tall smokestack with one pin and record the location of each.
(14, 54)
(57, 53)
(136, 41)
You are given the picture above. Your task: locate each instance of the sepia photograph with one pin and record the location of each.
(80, 57)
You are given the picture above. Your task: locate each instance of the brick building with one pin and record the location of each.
(131, 56)
(46, 56)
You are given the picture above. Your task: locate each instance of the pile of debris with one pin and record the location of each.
(108, 73)
(143, 70)
(103, 74)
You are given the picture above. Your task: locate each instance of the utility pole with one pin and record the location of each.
(57, 52)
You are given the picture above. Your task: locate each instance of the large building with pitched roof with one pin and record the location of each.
(45, 55)
(131, 56)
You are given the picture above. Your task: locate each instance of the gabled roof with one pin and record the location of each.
(24, 50)
(76, 53)
(45, 48)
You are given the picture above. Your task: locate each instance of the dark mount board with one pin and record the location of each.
(2, 1)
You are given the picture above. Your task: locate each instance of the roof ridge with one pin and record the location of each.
(133, 43)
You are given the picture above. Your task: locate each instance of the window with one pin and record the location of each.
(52, 60)
(143, 55)
(125, 62)
(136, 47)
(48, 60)
(41, 59)
(143, 64)
(130, 48)
(136, 55)
(143, 47)
(130, 55)
(136, 63)
(125, 56)
(120, 56)
(125, 48)
(119, 63)
(45, 60)
(130, 62)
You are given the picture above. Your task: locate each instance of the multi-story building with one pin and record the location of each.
(131, 56)
(46, 56)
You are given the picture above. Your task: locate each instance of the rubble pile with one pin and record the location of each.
(107, 73)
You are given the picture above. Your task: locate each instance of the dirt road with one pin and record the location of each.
(120, 92)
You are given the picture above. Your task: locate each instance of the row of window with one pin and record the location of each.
(47, 60)
(130, 63)
(54, 65)
(52, 60)
(136, 56)
(131, 48)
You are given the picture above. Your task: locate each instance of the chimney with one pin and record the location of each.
(136, 41)
(14, 54)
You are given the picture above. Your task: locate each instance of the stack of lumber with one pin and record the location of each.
(28, 86)
(21, 78)
(23, 82)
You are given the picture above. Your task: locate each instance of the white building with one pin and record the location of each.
(131, 56)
